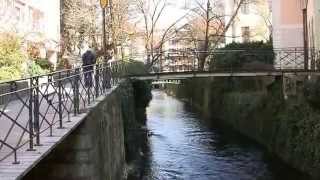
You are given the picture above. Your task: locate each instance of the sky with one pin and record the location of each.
(172, 12)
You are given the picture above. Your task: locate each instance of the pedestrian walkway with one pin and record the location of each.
(28, 159)
(37, 118)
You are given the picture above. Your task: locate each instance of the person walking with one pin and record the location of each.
(88, 61)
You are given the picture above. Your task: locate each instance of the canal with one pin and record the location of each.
(183, 146)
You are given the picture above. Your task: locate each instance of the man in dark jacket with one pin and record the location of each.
(88, 61)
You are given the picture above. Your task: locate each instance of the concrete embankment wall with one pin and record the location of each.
(288, 127)
(96, 149)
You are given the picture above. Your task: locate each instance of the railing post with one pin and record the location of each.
(36, 109)
(89, 85)
(31, 134)
(194, 63)
(60, 100)
(104, 77)
(295, 59)
(108, 75)
(281, 59)
(76, 97)
(15, 157)
(97, 80)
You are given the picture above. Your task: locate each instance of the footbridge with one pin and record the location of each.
(227, 73)
(235, 63)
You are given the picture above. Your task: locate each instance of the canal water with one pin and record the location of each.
(183, 146)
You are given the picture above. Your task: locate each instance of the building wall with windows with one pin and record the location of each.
(35, 21)
(252, 23)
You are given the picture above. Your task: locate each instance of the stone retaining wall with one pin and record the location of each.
(96, 150)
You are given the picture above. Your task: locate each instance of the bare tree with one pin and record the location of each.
(155, 37)
(262, 9)
(78, 25)
(118, 26)
(210, 26)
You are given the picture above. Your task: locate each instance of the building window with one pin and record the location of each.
(245, 7)
(186, 4)
(245, 34)
(233, 32)
(17, 13)
(2, 4)
(37, 20)
(5, 4)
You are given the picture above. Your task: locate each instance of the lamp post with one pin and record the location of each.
(104, 4)
(304, 7)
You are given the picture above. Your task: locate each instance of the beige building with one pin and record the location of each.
(288, 30)
(252, 23)
(287, 24)
(36, 21)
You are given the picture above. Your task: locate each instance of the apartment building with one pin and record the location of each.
(288, 29)
(37, 22)
(287, 24)
(178, 52)
(252, 22)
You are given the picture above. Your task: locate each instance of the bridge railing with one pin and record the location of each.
(30, 112)
(239, 60)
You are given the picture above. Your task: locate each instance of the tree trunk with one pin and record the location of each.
(203, 56)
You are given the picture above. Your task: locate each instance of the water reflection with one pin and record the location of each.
(183, 147)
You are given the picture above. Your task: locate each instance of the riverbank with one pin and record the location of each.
(286, 123)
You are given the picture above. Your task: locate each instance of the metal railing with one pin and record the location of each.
(238, 60)
(47, 103)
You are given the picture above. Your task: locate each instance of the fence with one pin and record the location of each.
(239, 60)
(30, 112)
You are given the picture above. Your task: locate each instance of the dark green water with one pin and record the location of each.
(182, 146)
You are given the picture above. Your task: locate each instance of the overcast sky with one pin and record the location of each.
(172, 12)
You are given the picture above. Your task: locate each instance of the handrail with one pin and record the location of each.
(32, 111)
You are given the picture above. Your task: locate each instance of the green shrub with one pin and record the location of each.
(34, 69)
(134, 67)
(311, 91)
(253, 55)
(44, 64)
(11, 57)
(142, 92)
(9, 73)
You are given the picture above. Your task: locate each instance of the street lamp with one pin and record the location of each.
(304, 8)
(104, 4)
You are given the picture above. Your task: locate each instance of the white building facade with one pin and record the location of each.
(252, 22)
(35, 21)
